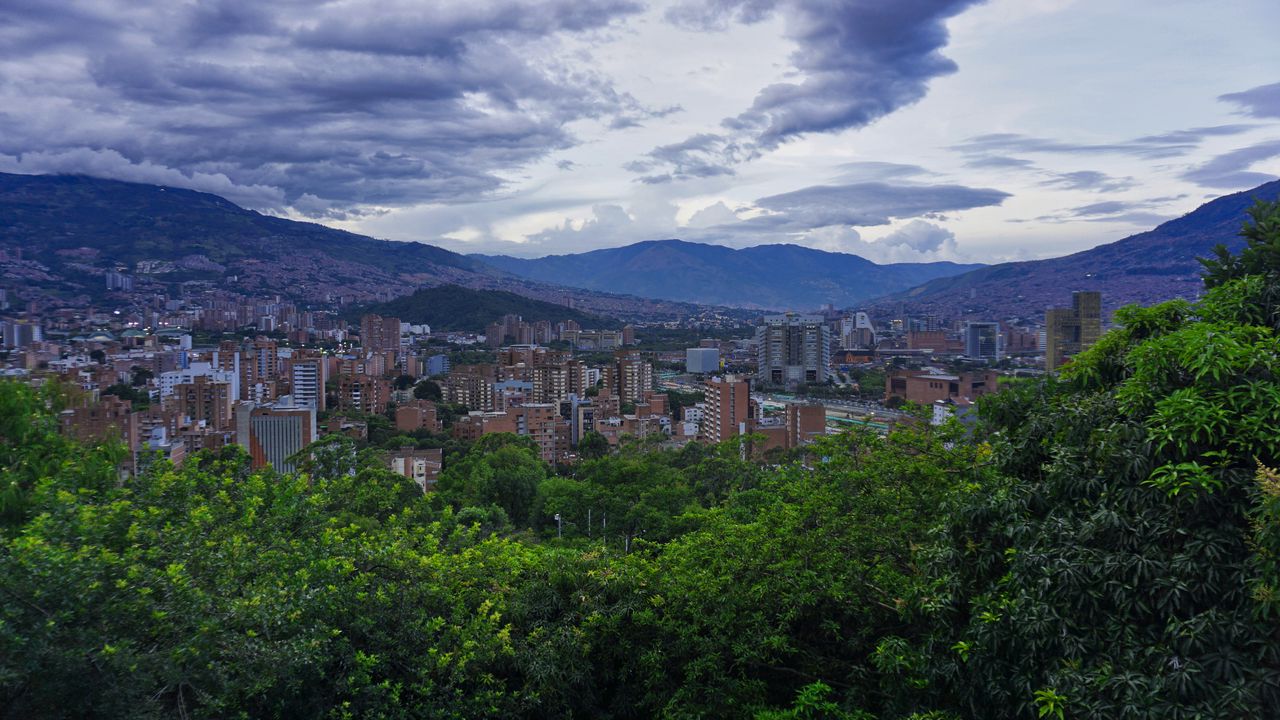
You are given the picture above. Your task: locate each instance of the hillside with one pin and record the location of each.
(72, 230)
(1146, 268)
(767, 276)
(450, 307)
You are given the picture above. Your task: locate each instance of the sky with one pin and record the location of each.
(899, 130)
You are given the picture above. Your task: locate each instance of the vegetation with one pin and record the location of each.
(1104, 545)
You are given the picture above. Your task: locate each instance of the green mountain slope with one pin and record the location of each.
(1146, 268)
(769, 276)
(451, 307)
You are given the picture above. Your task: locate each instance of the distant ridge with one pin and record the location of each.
(1146, 268)
(450, 307)
(766, 276)
(74, 229)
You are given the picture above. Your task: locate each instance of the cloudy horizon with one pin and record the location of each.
(901, 131)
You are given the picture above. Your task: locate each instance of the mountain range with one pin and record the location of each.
(450, 307)
(72, 230)
(1145, 268)
(777, 276)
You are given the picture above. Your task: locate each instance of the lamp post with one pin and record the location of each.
(559, 527)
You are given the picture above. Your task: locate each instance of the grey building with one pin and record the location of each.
(702, 360)
(982, 341)
(793, 349)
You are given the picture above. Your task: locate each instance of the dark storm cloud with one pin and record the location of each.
(1262, 101)
(317, 107)
(866, 204)
(858, 61)
(1230, 170)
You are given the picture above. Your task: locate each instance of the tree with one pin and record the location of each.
(213, 590)
(141, 376)
(592, 445)
(1120, 564)
(500, 469)
(428, 390)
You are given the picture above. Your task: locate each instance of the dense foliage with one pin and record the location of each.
(1104, 545)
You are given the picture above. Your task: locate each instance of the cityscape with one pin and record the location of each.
(283, 377)
(639, 359)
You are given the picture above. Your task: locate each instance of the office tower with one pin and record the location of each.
(982, 341)
(274, 433)
(793, 349)
(307, 378)
(701, 360)
(728, 407)
(1069, 331)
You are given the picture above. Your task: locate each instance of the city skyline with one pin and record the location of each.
(897, 131)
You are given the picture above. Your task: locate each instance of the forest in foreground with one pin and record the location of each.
(1103, 545)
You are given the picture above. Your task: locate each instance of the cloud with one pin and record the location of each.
(922, 237)
(1165, 145)
(917, 241)
(111, 164)
(866, 204)
(1262, 101)
(322, 108)
(1230, 170)
(856, 60)
(1132, 212)
(712, 215)
(874, 170)
(701, 156)
(1088, 180)
(999, 162)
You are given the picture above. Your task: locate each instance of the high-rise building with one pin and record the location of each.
(274, 433)
(793, 349)
(379, 333)
(856, 331)
(982, 341)
(1069, 331)
(307, 381)
(728, 407)
(630, 376)
(701, 360)
(437, 364)
(205, 399)
(470, 385)
(364, 393)
(555, 383)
